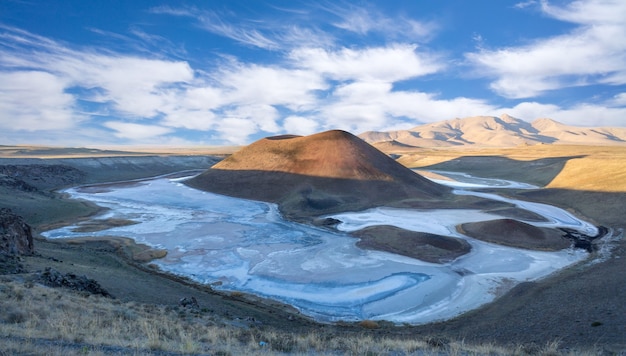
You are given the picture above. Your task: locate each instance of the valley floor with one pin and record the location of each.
(580, 309)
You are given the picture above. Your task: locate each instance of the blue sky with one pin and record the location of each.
(101, 73)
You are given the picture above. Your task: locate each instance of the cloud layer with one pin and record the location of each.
(307, 79)
(593, 53)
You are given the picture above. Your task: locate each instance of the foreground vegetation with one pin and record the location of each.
(40, 320)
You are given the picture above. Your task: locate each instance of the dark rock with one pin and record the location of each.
(15, 183)
(54, 278)
(11, 264)
(584, 241)
(44, 176)
(330, 222)
(191, 303)
(16, 237)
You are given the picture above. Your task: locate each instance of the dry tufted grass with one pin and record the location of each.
(35, 319)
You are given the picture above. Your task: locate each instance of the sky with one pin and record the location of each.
(221, 72)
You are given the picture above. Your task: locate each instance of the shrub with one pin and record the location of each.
(369, 324)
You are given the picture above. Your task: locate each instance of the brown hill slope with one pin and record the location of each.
(503, 131)
(317, 174)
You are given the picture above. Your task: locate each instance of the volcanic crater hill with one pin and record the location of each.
(335, 171)
(319, 174)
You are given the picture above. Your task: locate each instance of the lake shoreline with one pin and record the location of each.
(307, 276)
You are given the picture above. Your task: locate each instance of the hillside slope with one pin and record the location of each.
(322, 173)
(503, 131)
(26, 183)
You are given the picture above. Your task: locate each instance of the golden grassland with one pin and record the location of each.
(591, 168)
(39, 320)
(606, 173)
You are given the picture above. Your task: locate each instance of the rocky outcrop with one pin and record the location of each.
(16, 237)
(16, 184)
(44, 176)
(509, 232)
(54, 278)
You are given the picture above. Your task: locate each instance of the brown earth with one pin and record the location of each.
(319, 174)
(514, 233)
(420, 245)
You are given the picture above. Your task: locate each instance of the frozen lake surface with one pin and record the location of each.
(246, 246)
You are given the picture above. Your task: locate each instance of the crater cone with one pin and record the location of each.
(318, 174)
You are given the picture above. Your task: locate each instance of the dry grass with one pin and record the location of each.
(39, 320)
(594, 173)
(592, 168)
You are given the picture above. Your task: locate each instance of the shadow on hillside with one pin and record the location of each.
(523, 314)
(539, 172)
(307, 195)
(604, 208)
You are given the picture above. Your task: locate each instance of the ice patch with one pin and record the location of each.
(246, 246)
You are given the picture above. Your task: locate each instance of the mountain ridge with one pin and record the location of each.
(492, 131)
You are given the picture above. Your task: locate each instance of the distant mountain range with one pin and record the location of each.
(503, 131)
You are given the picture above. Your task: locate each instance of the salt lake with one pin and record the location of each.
(242, 245)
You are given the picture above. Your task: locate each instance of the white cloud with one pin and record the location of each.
(354, 19)
(254, 84)
(203, 97)
(590, 12)
(263, 116)
(35, 100)
(363, 106)
(136, 131)
(525, 4)
(593, 53)
(388, 64)
(294, 36)
(363, 20)
(174, 11)
(357, 106)
(236, 130)
(132, 85)
(618, 100)
(135, 86)
(311, 85)
(190, 119)
(424, 107)
(584, 114)
(269, 34)
(299, 125)
(250, 36)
